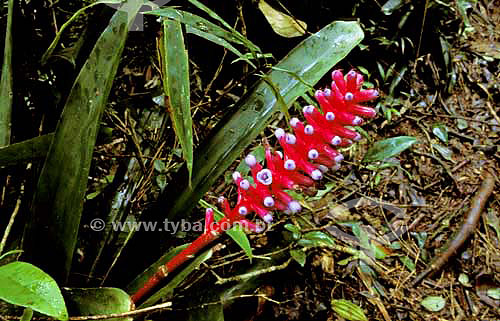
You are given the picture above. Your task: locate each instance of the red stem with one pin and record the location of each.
(201, 242)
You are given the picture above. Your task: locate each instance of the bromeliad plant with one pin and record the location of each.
(307, 154)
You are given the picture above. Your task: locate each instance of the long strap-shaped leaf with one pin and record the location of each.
(176, 87)
(310, 60)
(26, 151)
(58, 201)
(6, 81)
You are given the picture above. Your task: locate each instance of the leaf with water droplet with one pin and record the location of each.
(26, 285)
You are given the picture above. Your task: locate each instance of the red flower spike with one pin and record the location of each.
(209, 219)
(251, 226)
(338, 79)
(311, 150)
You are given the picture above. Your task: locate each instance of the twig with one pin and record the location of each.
(158, 307)
(492, 111)
(468, 227)
(248, 275)
(13, 215)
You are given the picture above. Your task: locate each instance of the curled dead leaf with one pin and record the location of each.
(282, 24)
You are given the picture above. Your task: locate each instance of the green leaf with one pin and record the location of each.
(299, 256)
(26, 285)
(296, 234)
(176, 87)
(98, 301)
(390, 6)
(236, 233)
(58, 200)
(441, 132)
(494, 293)
(250, 55)
(54, 42)
(348, 310)
(462, 124)
(378, 251)
(493, 221)
(26, 151)
(322, 192)
(318, 238)
(292, 228)
(159, 165)
(219, 41)
(388, 148)
(464, 279)
(161, 181)
(444, 151)
(6, 91)
(433, 303)
(463, 6)
(233, 31)
(203, 25)
(410, 265)
(361, 234)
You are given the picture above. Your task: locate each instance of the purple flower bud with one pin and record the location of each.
(309, 130)
(279, 133)
(250, 160)
(268, 201)
(243, 210)
(294, 207)
(236, 176)
(291, 139)
(349, 96)
(268, 218)
(357, 121)
(308, 109)
(316, 175)
(312, 154)
(290, 165)
(336, 140)
(245, 184)
(265, 176)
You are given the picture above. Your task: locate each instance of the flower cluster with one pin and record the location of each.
(307, 153)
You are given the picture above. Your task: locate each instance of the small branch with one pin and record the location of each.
(12, 216)
(158, 307)
(468, 227)
(245, 276)
(154, 308)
